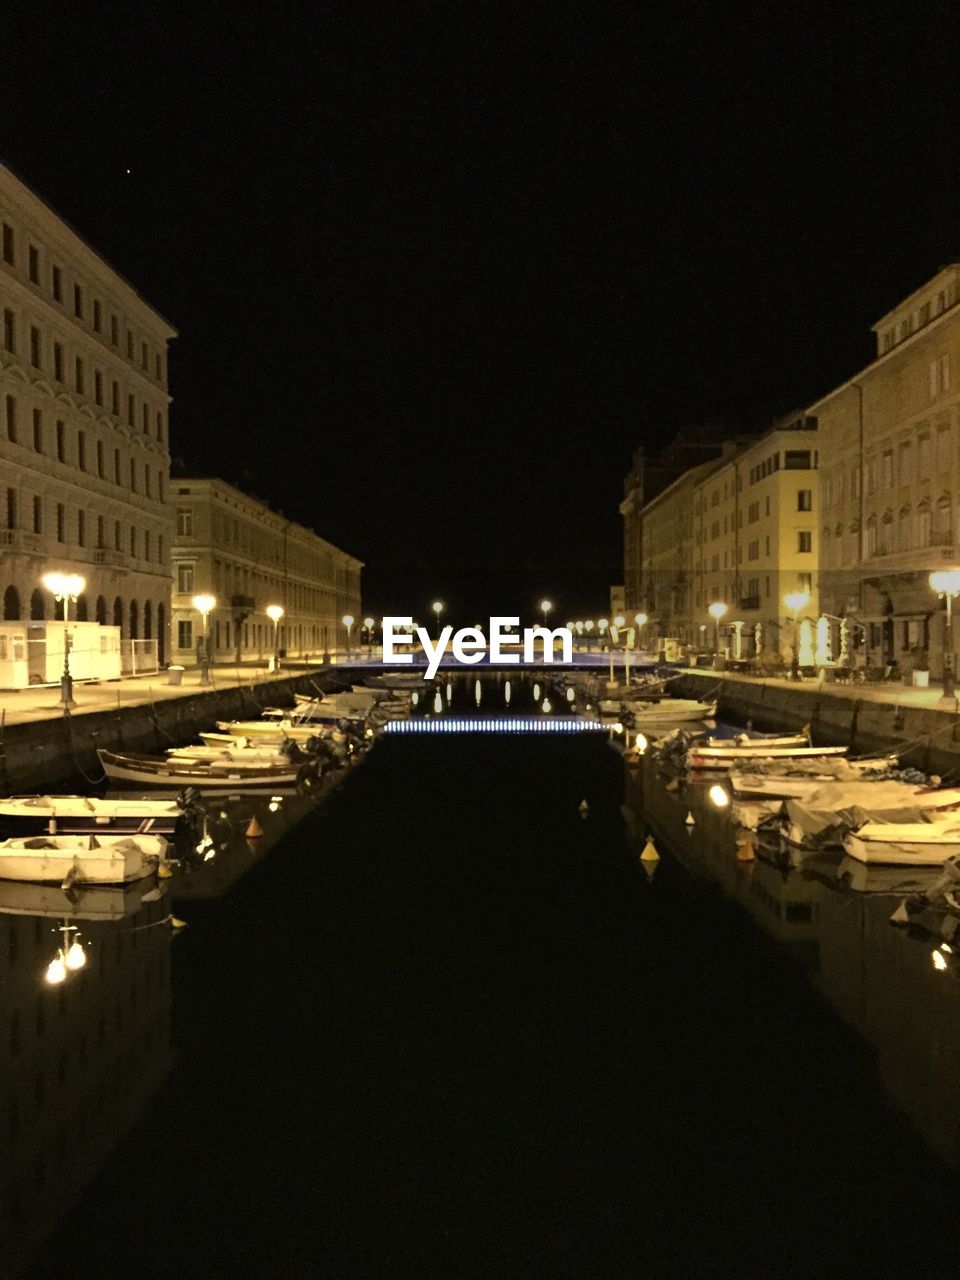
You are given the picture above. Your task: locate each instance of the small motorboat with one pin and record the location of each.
(31, 814)
(907, 844)
(794, 778)
(670, 711)
(80, 859)
(275, 730)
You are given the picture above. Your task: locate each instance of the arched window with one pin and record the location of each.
(11, 605)
(904, 528)
(37, 608)
(118, 614)
(101, 611)
(134, 621)
(944, 519)
(161, 634)
(82, 610)
(148, 621)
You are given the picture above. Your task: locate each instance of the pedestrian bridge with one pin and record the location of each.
(497, 724)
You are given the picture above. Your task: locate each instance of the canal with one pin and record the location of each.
(448, 1025)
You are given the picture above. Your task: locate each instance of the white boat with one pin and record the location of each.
(267, 753)
(699, 757)
(89, 811)
(907, 844)
(272, 729)
(746, 743)
(158, 771)
(875, 796)
(671, 711)
(80, 859)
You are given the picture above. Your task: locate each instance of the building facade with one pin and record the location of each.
(889, 479)
(233, 547)
(83, 427)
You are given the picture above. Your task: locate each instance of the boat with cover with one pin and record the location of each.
(670, 711)
(724, 757)
(76, 813)
(795, 777)
(80, 859)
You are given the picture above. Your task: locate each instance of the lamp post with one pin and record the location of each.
(716, 612)
(348, 621)
(205, 605)
(545, 607)
(639, 619)
(369, 624)
(275, 613)
(66, 587)
(946, 583)
(437, 608)
(796, 600)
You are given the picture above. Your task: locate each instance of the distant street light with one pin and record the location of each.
(545, 607)
(66, 587)
(946, 583)
(368, 625)
(205, 605)
(348, 621)
(796, 600)
(716, 612)
(275, 613)
(437, 608)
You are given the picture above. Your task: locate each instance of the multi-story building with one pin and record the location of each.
(755, 536)
(648, 477)
(84, 462)
(890, 461)
(233, 547)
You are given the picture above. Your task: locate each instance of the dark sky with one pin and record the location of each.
(438, 269)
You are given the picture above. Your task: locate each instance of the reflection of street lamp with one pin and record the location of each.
(348, 621)
(66, 587)
(275, 613)
(69, 958)
(716, 612)
(796, 600)
(205, 605)
(437, 608)
(946, 583)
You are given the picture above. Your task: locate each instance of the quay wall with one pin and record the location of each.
(38, 754)
(927, 737)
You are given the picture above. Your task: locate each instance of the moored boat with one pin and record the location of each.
(21, 814)
(723, 757)
(906, 843)
(159, 771)
(80, 859)
(670, 711)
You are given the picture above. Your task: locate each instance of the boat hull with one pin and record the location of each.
(153, 771)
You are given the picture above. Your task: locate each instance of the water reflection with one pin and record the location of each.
(83, 1053)
(833, 917)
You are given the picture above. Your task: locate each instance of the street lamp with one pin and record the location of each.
(796, 600)
(348, 621)
(545, 607)
(369, 624)
(275, 613)
(946, 583)
(716, 612)
(205, 605)
(437, 608)
(66, 587)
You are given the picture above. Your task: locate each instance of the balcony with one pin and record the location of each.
(749, 604)
(243, 604)
(104, 555)
(20, 540)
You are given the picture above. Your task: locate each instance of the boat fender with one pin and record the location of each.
(583, 808)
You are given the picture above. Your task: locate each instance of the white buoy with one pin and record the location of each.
(583, 808)
(690, 819)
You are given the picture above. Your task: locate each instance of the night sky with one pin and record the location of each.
(438, 269)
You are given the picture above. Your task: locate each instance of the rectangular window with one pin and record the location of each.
(131, 410)
(886, 473)
(38, 431)
(144, 356)
(115, 399)
(146, 544)
(11, 508)
(118, 535)
(115, 331)
(34, 257)
(78, 374)
(129, 344)
(184, 522)
(61, 442)
(100, 459)
(8, 250)
(97, 316)
(804, 499)
(81, 529)
(81, 451)
(184, 634)
(905, 463)
(116, 467)
(9, 331)
(100, 531)
(98, 386)
(133, 475)
(37, 513)
(185, 577)
(804, 540)
(58, 361)
(923, 457)
(146, 480)
(61, 522)
(944, 460)
(796, 460)
(35, 346)
(158, 366)
(56, 279)
(11, 416)
(78, 301)
(159, 425)
(145, 416)
(133, 541)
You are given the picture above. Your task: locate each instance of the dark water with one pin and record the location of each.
(449, 1028)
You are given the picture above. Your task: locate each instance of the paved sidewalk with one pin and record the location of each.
(893, 693)
(42, 702)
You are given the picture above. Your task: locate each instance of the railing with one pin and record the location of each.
(749, 604)
(104, 555)
(19, 540)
